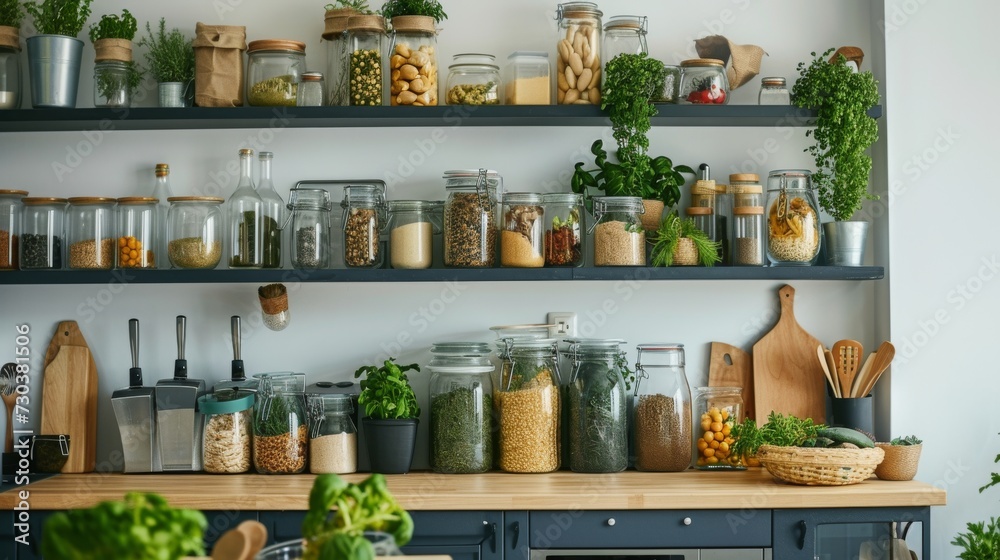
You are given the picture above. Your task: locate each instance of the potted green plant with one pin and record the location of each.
(170, 60)
(10, 53)
(902, 455)
(391, 416)
(679, 242)
(844, 132)
(631, 82)
(116, 76)
(54, 54)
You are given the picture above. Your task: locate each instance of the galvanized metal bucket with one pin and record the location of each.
(54, 65)
(845, 243)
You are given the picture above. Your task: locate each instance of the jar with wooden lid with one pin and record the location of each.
(793, 237)
(364, 217)
(41, 243)
(619, 239)
(773, 91)
(527, 404)
(10, 226)
(703, 81)
(716, 411)
(474, 79)
(311, 90)
(748, 241)
(624, 35)
(195, 226)
(91, 232)
(365, 47)
(413, 67)
(661, 410)
(579, 62)
(522, 231)
(10, 68)
(274, 68)
(137, 230)
(723, 220)
(704, 219)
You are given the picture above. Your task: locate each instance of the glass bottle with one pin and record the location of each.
(619, 239)
(773, 91)
(411, 226)
(661, 416)
(227, 431)
(137, 230)
(111, 87)
(527, 404)
(474, 79)
(311, 222)
(195, 226)
(10, 226)
(522, 236)
(461, 391)
(564, 237)
(579, 63)
(704, 81)
(526, 79)
(792, 218)
(748, 242)
(246, 219)
(311, 91)
(364, 217)
(91, 232)
(333, 437)
(274, 69)
(365, 45)
(280, 435)
(273, 211)
(413, 66)
(41, 242)
(596, 407)
(716, 411)
(163, 194)
(470, 231)
(623, 35)
(10, 71)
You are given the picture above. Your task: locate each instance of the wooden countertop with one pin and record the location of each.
(753, 488)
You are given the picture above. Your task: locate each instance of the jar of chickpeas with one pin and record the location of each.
(137, 228)
(716, 411)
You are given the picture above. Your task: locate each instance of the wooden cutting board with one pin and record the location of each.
(787, 377)
(729, 366)
(69, 396)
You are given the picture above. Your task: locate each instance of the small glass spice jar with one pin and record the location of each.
(522, 235)
(624, 35)
(10, 226)
(274, 68)
(281, 435)
(527, 405)
(716, 411)
(579, 63)
(91, 232)
(41, 243)
(413, 67)
(412, 225)
(773, 91)
(619, 239)
(227, 431)
(365, 46)
(311, 211)
(311, 91)
(195, 231)
(564, 229)
(792, 218)
(474, 79)
(364, 217)
(111, 84)
(470, 231)
(526, 79)
(703, 81)
(10, 69)
(661, 411)
(748, 241)
(461, 392)
(137, 229)
(596, 408)
(333, 437)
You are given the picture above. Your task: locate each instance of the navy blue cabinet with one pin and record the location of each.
(805, 534)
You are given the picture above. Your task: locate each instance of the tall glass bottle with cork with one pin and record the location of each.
(161, 192)
(245, 207)
(273, 211)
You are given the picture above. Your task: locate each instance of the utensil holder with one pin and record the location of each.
(854, 413)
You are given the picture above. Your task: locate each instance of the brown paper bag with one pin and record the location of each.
(742, 61)
(218, 65)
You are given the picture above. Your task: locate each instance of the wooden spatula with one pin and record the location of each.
(821, 354)
(886, 352)
(848, 355)
(862, 377)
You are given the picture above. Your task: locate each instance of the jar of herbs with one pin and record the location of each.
(579, 64)
(10, 226)
(413, 67)
(195, 231)
(412, 225)
(333, 437)
(527, 405)
(716, 411)
(280, 432)
(596, 411)
(564, 229)
(474, 79)
(274, 69)
(365, 44)
(624, 35)
(522, 235)
(311, 222)
(111, 84)
(41, 243)
(137, 229)
(661, 413)
(91, 232)
(704, 82)
(470, 230)
(792, 218)
(364, 216)
(619, 239)
(461, 392)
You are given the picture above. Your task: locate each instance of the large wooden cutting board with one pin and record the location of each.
(729, 366)
(787, 377)
(69, 396)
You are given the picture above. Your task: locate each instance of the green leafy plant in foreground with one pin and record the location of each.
(386, 393)
(671, 230)
(59, 17)
(981, 541)
(10, 13)
(170, 56)
(431, 8)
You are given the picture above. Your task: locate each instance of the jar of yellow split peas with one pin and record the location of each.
(716, 411)
(137, 227)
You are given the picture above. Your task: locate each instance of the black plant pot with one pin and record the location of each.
(390, 444)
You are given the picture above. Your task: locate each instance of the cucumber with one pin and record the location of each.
(847, 435)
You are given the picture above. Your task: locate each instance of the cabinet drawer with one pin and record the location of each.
(649, 529)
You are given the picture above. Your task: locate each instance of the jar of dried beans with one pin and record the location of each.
(461, 390)
(41, 242)
(280, 433)
(716, 411)
(364, 216)
(619, 239)
(661, 416)
(333, 437)
(412, 225)
(522, 237)
(792, 218)
(563, 229)
(579, 62)
(194, 231)
(137, 229)
(527, 405)
(227, 431)
(91, 227)
(413, 66)
(470, 230)
(311, 211)
(10, 226)
(364, 44)
(595, 401)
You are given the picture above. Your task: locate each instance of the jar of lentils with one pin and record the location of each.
(92, 240)
(412, 225)
(41, 242)
(619, 239)
(470, 230)
(194, 231)
(661, 416)
(274, 69)
(749, 242)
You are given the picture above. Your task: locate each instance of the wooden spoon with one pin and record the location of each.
(232, 545)
(862, 376)
(831, 364)
(821, 354)
(848, 354)
(7, 386)
(886, 352)
(256, 535)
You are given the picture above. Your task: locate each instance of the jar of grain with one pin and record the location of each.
(41, 243)
(91, 232)
(10, 226)
(474, 79)
(281, 436)
(619, 239)
(227, 431)
(470, 231)
(137, 229)
(365, 44)
(703, 81)
(194, 231)
(792, 218)
(747, 240)
(364, 217)
(661, 416)
(579, 61)
(527, 405)
(411, 226)
(333, 437)
(624, 35)
(716, 411)
(311, 211)
(413, 67)
(461, 390)
(274, 69)
(563, 229)
(526, 79)
(595, 404)
(522, 236)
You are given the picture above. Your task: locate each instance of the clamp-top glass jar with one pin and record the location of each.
(194, 231)
(91, 234)
(365, 45)
(624, 35)
(280, 435)
(474, 79)
(413, 66)
(564, 229)
(461, 390)
(333, 437)
(364, 216)
(704, 81)
(274, 69)
(470, 231)
(662, 409)
(619, 239)
(579, 63)
(527, 404)
(792, 218)
(522, 239)
(10, 226)
(310, 214)
(596, 407)
(716, 411)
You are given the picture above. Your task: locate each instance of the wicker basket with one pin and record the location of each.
(900, 461)
(819, 466)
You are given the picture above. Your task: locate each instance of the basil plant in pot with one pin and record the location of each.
(10, 54)
(391, 416)
(116, 76)
(170, 59)
(54, 54)
(844, 132)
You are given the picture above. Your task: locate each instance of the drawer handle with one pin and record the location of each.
(611, 522)
(687, 521)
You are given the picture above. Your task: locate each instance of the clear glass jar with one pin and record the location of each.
(748, 242)
(412, 225)
(194, 231)
(579, 64)
(43, 223)
(623, 35)
(364, 217)
(246, 219)
(619, 239)
(461, 390)
(474, 79)
(10, 226)
(137, 229)
(311, 91)
(337, 74)
(596, 410)
(413, 67)
(274, 68)
(522, 236)
(527, 404)
(162, 193)
(10, 76)
(564, 229)
(91, 232)
(365, 45)
(333, 437)
(704, 81)
(227, 432)
(704, 219)
(272, 212)
(470, 231)
(773, 91)
(716, 411)
(745, 190)
(111, 87)
(792, 218)
(671, 85)
(280, 435)
(311, 222)
(526, 79)
(661, 416)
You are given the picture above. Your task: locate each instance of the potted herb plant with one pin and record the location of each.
(679, 242)
(844, 132)
(902, 455)
(10, 53)
(54, 54)
(421, 8)
(391, 417)
(632, 81)
(116, 76)
(170, 59)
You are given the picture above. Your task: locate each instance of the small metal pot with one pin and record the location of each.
(845, 243)
(172, 94)
(54, 65)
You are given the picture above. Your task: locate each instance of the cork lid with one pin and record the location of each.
(411, 24)
(744, 178)
(83, 200)
(276, 45)
(748, 210)
(572, 10)
(40, 200)
(703, 186)
(746, 189)
(626, 23)
(699, 211)
(694, 62)
(366, 23)
(13, 192)
(138, 200)
(209, 199)
(162, 169)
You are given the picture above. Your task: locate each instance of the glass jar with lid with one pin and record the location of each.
(522, 236)
(41, 243)
(474, 79)
(280, 435)
(704, 81)
(413, 67)
(526, 79)
(10, 68)
(10, 226)
(773, 91)
(274, 68)
(716, 411)
(333, 437)
(194, 231)
(792, 218)
(564, 229)
(624, 35)
(246, 219)
(579, 64)
(705, 220)
(365, 45)
(596, 410)
(527, 404)
(227, 431)
(461, 390)
(412, 225)
(111, 84)
(311, 91)
(91, 232)
(364, 217)
(337, 73)
(137, 230)
(311, 211)
(748, 242)
(661, 416)
(470, 230)
(619, 239)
